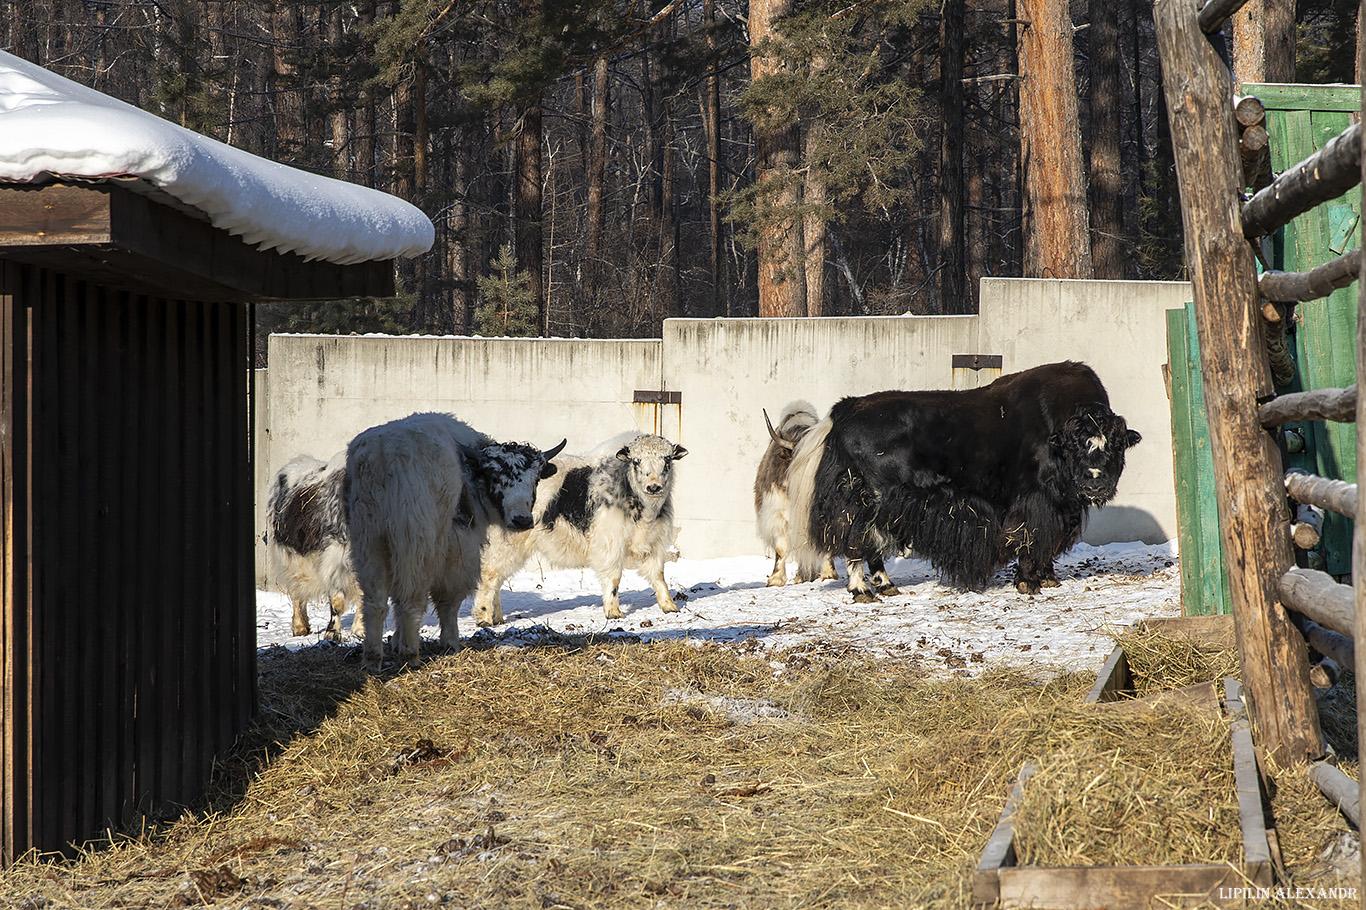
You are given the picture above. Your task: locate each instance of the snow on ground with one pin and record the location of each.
(951, 631)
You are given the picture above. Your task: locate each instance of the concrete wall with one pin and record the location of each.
(322, 390)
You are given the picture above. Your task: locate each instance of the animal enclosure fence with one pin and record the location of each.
(1280, 610)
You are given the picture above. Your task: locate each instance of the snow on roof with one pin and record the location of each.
(53, 127)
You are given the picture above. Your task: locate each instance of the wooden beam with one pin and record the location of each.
(1251, 499)
(1322, 177)
(1340, 789)
(1325, 492)
(1320, 281)
(1320, 598)
(1318, 404)
(125, 239)
(1359, 528)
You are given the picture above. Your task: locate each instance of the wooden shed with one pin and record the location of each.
(127, 599)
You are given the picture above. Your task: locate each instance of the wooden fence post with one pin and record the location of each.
(1359, 527)
(1248, 475)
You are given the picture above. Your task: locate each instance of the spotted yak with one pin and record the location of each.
(609, 511)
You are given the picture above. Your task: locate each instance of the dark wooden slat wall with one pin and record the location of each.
(127, 635)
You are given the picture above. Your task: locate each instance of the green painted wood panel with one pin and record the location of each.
(1300, 119)
(1325, 335)
(1204, 581)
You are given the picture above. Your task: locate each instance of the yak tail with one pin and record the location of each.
(801, 492)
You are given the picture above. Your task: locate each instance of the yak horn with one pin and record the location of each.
(786, 444)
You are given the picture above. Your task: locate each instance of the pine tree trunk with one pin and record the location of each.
(781, 253)
(1263, 43)
(953, 293)
(365, 114)
(530, 246)
(341, 167)
(288, 106)
(720, 291)
(814, 236)
(1057, 231)
(1107, 186)
(597, 179)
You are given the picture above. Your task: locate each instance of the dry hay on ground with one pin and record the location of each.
(1161, 660)
(591, 776)
(1120, 788)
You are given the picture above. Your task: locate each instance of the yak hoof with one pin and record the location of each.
(889, 590)
(331, 635)
(613, 613)
(300, 629)
(777, 581)
(1050, 583)
(1027, 587)
(669, 607)
(829, 574)
(866, 597)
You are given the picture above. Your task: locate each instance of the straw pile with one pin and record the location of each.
(591, 775)
(1160, 660)
(1120, 788)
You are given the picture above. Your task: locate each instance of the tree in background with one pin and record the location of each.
(509, 308)
(1263, 42)
(1057, 228)
(650, 129)
(777, 159)
(847, 127)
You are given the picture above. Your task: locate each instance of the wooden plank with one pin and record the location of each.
(1256, 848)
(1184, 467)
(1216, 631)
(1213, 573)
(1358, 558)
(1202, 697)
(124, 239)
(999, 852)
(1223, 277)
(13, 692)
(1127, 887)
(1294, 96)
(60, 216)
(1113, 679)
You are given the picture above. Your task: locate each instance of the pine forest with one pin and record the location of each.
(594, 167)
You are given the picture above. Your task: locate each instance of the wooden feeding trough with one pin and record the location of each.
(998, 881)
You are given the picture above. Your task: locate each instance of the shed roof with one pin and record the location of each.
(53, 129)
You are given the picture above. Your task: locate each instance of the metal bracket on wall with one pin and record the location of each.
(974, 362)
(649, 396)
(648, 405)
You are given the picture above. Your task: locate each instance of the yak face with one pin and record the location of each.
(649, 465)
(1091, 447)
(508, 473)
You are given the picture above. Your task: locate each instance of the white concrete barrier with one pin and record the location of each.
(707, 381)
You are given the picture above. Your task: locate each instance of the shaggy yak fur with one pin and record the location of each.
(421, 493)
(609, 511)
(770, 490)
(309, 551)
(967, 479)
